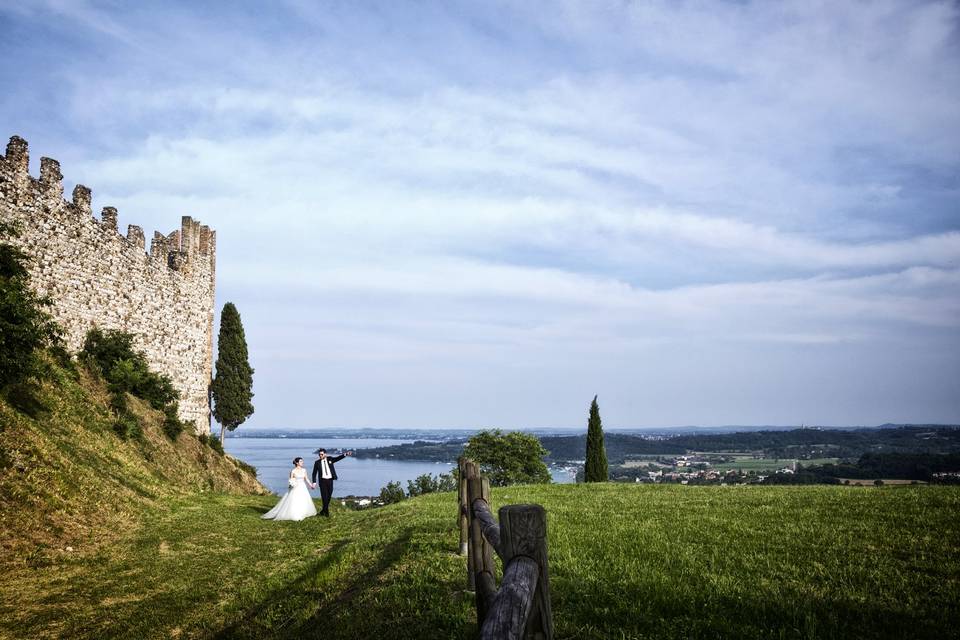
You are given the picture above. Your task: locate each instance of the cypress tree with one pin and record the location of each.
(595, 469)
(232, 388)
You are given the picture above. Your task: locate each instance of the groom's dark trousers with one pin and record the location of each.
(326, 490)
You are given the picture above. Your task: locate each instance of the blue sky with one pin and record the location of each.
(475, 214)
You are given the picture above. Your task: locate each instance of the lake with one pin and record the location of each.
(273, 458)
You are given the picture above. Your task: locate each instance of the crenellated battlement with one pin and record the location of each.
(180, 248)
(96, 276)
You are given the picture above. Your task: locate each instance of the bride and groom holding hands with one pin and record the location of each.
(296, 503)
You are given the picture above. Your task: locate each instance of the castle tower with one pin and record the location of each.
(97, 277)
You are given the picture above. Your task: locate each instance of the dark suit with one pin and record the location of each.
(326, 484)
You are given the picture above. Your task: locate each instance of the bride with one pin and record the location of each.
(296, 503)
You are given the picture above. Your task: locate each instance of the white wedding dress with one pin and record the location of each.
(296, 503)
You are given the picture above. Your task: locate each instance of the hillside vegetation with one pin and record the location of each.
(68, 480)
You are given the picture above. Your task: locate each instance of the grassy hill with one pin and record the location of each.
(67, 480)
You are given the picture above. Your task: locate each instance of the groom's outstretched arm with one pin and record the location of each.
(316, 472)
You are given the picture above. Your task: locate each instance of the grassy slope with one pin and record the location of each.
(626, 562)
(67, 480)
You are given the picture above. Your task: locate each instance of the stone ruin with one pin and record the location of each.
(97, 277)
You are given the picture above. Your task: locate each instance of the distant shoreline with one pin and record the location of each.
(441, 434)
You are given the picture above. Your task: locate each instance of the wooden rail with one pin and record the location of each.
(520, 608)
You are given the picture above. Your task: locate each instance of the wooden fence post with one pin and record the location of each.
(464, 519)
(523, 532)
(478, 488)
(469, 471)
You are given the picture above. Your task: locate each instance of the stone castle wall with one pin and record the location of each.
(95, 276)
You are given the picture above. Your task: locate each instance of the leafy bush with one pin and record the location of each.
(427, 483)
(213, 443)
(127, 426)
(216, 445)
(126, 371)
(172, 425)
(391, 493)
(25, 326)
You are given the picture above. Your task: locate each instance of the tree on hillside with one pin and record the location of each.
(232, 389)
(24, 324)
(595, 469)
(426, 483)
(508, 458)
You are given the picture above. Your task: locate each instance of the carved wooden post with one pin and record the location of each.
(523, 533)
(478, 488)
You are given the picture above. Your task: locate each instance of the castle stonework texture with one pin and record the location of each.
(97, 277)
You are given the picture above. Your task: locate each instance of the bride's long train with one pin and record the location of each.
(296, 504)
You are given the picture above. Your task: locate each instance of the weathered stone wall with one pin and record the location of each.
(95, 276)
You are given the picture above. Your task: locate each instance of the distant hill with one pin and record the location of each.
(841, 443)
(66, 479)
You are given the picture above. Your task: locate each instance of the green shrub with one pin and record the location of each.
(25, 326)
(126, 371)
(215, 445)
(391, 493)
(172, 425)
(127, 426)
(426, 483)
(249, 468)
(106, 348)
(118, 402)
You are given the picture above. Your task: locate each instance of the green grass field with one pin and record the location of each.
(626, 562)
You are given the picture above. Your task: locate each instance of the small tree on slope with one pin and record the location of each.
(25, 325)
(595, 469)
(508, 458)
(232, 388)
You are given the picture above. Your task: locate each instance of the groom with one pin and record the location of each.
(324, 474)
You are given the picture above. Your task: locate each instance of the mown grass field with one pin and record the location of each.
(626, 562)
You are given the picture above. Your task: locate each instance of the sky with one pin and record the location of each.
(482, 214)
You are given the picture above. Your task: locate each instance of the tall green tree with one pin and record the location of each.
(232, 388)
(25, 326)
(508, 458)
(595, 469)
